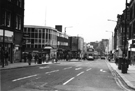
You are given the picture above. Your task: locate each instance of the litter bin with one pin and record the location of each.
(124, 65)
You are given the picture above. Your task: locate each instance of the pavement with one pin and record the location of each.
(21, 64)
(128, 78)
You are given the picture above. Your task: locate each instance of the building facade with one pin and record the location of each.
(125, 31)
(11, 27)
(40, 39)
(131, 36)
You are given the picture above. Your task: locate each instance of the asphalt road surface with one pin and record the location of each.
(62, 76)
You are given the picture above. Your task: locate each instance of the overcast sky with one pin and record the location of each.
(88, 18)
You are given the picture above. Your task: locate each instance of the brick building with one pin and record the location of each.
(11, 26)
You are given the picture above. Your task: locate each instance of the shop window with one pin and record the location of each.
(6, 18)
(19, 3)
(17, 22)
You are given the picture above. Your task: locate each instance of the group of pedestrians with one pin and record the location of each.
(38, 58)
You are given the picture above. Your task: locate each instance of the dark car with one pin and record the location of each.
(102, 57)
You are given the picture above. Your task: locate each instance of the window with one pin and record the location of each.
(8, 22)
(16, 22)
(19, 3)
(3, 18)
(20, 24)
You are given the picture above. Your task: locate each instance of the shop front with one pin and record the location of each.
(8, 44)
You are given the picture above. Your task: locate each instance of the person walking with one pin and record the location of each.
(43, 58)
(25, 57)
(29, 58)
(47, 58)
(40, 59)
(36, 58)
(6, 57)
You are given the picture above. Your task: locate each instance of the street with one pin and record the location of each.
(62, 76)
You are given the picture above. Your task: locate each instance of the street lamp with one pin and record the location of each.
(111, 20)
(112, 38)
(67, 27)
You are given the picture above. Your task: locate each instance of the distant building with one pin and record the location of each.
(40, 39)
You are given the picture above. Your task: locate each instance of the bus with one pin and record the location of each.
(90, 54)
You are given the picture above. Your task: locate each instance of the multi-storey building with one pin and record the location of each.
(40, 39)
(131, 41)
(11, 27)
(63, 42)
(125, 30)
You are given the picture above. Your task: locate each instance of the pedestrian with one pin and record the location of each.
(116, 57)
(56, 58)
(2, 57)
(25, 57)
(29, 58)
(47, 58)
(6, 57)
(67, 57)
(40, 59)
(36, 58)
(43, 58)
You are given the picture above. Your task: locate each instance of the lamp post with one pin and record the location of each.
(112, 20)
(112, 39)
(124, 63)
(67, 27)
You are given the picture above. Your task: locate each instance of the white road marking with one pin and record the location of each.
(43, 67)
(24, 78)
(51, 71)
(67, 68)
(80, 73)
(88, 69)
(38, 77)
(102, 70)
(78, 68)
(43, 85)
(68, 81)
